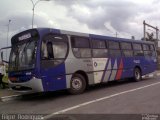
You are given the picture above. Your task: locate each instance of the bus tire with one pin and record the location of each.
(137, 75)
(77, 84)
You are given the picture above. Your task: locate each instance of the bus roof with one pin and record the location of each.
(92, 36)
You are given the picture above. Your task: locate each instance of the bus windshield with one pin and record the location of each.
(23, 56)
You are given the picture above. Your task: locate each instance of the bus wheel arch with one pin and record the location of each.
(137, 73)
(78, 82)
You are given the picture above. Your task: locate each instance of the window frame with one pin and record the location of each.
(115, 42)
(135, 50)
(73, 38)
(106, 47)
(128, 43)
(123, 49)
(98, 48)
(109, 49)
(64, 39)
(146, 49)
(75, 47)
(153, 50)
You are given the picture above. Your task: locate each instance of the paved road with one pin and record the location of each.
(123, 97)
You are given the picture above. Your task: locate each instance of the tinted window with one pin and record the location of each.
(98, 44)
(100, 53)
(54, 47)
(113, 45)
(80, 42)
(138, 53)
(59, 49)
(81, 47)
(115, 53)
(145, 47)
(50, 50)
(147, 53)
(128, 53)
(126, 46)
(82, 52)
(137, 46)
(152, 47)
(53, 50)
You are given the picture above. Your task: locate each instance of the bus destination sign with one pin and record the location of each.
(24, 37)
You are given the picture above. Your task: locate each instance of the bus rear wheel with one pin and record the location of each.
(137, 74)
(77, 84)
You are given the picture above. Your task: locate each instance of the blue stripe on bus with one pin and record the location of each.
(112, 64)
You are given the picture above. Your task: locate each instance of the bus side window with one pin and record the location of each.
(138, 51)
(114, 49)
(81, 47)
(153, 52)
(146, 50)
(127, 49)
(50, 50)
(99, 49)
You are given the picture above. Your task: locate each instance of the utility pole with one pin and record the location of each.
(116, 34)
(7, 38)
(34, 5)
(155, 28)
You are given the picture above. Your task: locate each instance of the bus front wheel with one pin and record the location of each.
(137, 74)
(77, 84)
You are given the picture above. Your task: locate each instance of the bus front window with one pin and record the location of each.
(23, 56)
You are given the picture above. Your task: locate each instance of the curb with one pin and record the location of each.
(151, 75)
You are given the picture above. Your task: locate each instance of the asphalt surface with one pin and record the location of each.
(124, 97)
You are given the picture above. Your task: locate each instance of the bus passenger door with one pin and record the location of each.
(54, 51)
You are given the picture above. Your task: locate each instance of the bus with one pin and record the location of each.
(46, 59)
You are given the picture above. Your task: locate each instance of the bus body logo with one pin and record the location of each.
(137, 61)
(95, 64)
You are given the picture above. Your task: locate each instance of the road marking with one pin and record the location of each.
(7, 98)
(151, 75)
(97, 100)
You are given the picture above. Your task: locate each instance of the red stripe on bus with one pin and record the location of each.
(120, 70)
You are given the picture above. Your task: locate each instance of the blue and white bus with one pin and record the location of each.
(46, 59)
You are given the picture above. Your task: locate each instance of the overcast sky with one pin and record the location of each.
(90, 16)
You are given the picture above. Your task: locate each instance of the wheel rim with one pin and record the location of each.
(76, 83)
(137, 75)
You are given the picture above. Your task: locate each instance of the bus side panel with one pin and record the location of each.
(128, 66)
(114, 68)
(99, 69)
(121, 68)
(74, 65)
(143, 63)
(54, 78)
(150, 64)
(108, 71)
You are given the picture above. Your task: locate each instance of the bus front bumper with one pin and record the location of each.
(31, 86)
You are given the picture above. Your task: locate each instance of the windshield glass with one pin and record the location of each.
(23, 56)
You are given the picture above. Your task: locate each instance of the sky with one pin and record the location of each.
(104, 17)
